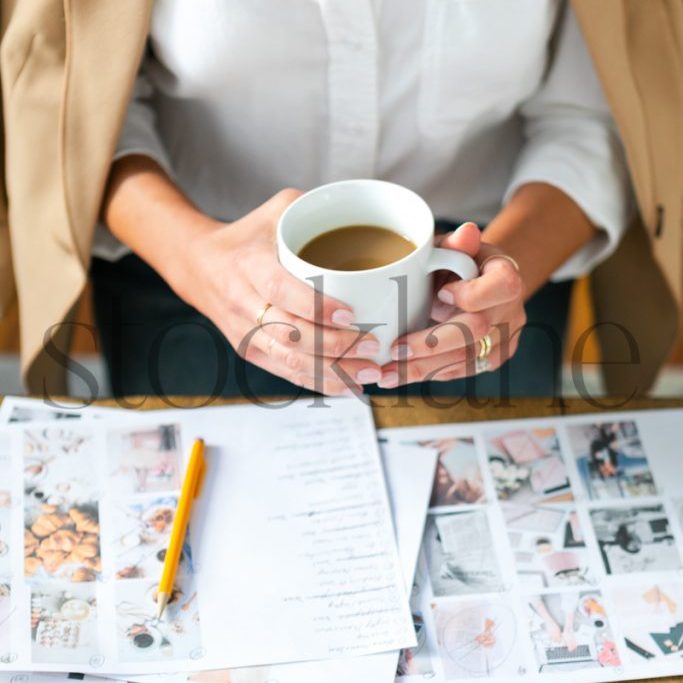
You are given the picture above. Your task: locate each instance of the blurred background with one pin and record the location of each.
(85, 352)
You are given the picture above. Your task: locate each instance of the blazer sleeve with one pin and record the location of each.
(571, 142)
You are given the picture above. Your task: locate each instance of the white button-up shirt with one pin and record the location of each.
(461, 100)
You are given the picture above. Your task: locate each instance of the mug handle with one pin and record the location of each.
(457, 262)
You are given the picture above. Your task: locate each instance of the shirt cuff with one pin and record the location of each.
(598, 185)
(139, 136)
(155, 153)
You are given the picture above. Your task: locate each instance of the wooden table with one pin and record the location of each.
(395, 412)
(404, 411)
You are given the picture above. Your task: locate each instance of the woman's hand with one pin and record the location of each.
(491, 304)
(232, 271)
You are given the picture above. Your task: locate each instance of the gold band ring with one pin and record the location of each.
(505, 257)
(262, 312)
(485, 346)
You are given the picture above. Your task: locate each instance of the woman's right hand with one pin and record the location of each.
(229, 272)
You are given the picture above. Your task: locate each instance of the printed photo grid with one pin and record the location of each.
(74, 503)
(548, 551)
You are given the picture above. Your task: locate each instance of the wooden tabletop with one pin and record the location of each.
(397, 411)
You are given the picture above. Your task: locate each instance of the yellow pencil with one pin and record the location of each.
(190, 491)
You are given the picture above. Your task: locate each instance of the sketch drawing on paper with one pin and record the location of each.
(145, 459)
(635, 539)
(611, 460)
(528, 467)
(477, 639)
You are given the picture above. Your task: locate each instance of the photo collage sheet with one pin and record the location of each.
(94, 532)
(551, 548)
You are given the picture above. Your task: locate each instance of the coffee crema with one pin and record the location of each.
(356, 247)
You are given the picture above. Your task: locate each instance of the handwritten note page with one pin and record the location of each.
(302, 490)
(409, 473)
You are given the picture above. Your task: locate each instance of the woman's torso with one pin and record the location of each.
(256, 95)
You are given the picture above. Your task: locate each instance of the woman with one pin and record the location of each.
(221, 122)
(231, 107)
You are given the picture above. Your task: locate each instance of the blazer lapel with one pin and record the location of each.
(105, 40)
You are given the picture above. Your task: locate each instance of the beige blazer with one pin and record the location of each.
(67, 69)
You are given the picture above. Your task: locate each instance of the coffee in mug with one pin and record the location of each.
(390, 292)
(356, 247)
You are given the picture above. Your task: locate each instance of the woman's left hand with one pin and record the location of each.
(466, 311)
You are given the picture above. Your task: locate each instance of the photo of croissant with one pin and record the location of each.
(61, 542)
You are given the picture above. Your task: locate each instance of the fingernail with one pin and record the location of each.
(368, 376)
(343, 317)
(445, 296)
(368, 348)
(401, 352)
(389, 380)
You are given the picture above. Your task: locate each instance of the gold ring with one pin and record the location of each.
(485, 346)
(262, 312)
(505, 257)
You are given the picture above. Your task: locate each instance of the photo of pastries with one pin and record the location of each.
(142, 535)
(143, 637)
(62, 542)
(63, 622)
(58, 466)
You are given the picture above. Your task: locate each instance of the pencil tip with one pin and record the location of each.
(162, 601)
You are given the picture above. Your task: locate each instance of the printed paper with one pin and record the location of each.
(97, 501)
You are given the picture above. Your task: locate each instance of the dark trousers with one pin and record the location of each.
(155, 344)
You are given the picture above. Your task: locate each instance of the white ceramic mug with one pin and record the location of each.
(395, 298)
